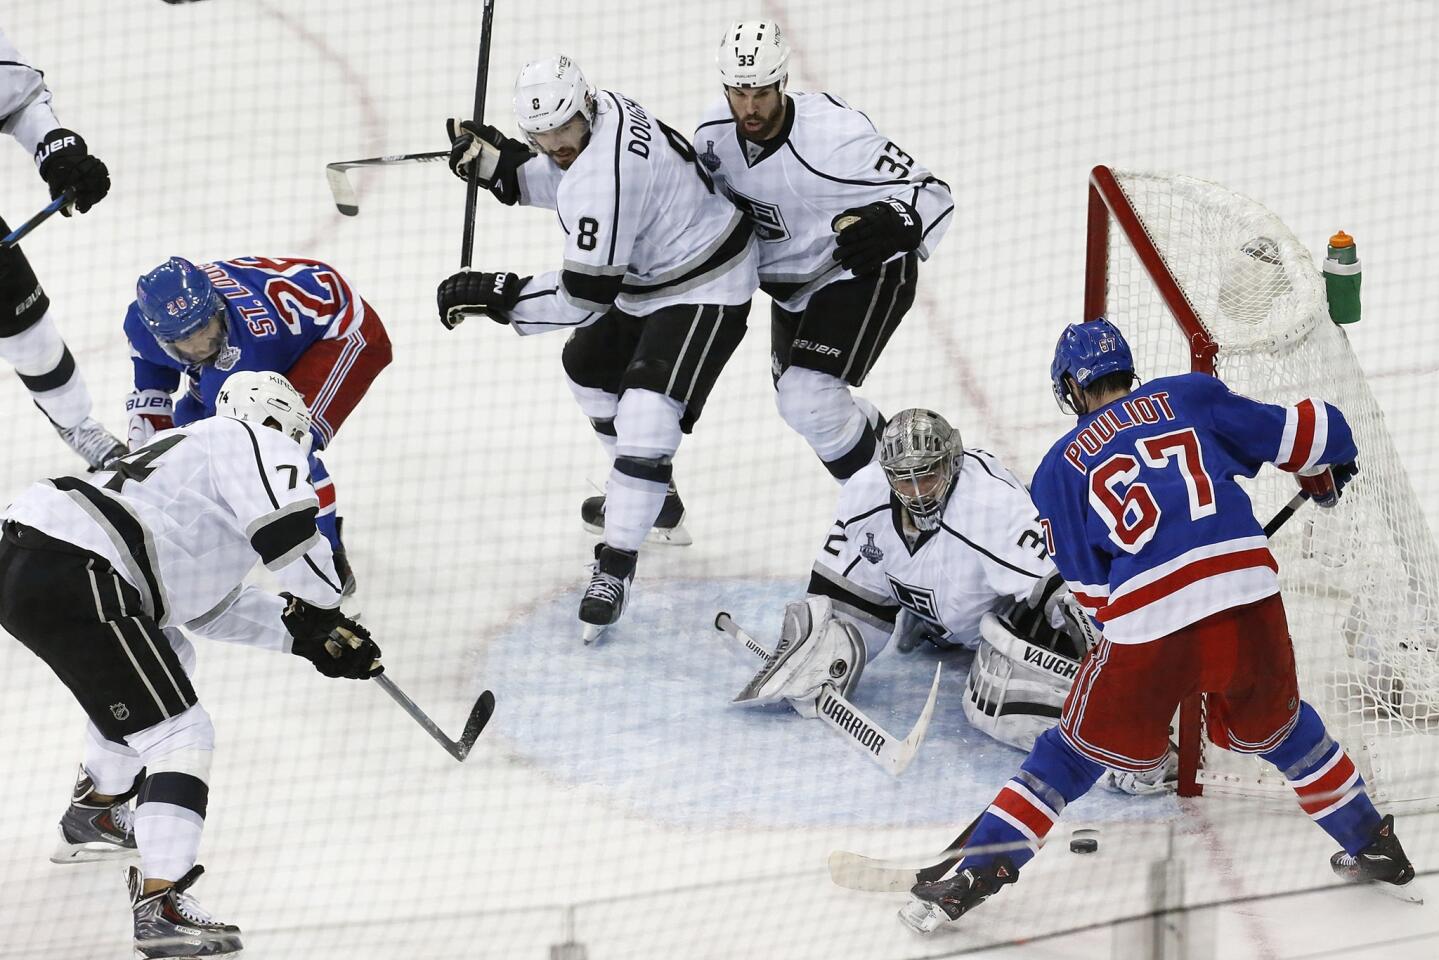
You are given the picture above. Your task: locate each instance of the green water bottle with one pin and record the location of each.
(1341, 278)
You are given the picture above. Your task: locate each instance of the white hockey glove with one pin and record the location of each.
(1151, 784)
(815, 649)
(150, 412)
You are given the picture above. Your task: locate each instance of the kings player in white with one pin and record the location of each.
(96, 577)
(936, 543)
(655, 286)
(843, 216)
(29, 339)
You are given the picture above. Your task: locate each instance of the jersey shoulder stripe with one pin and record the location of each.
(124, 530)
(978, 549)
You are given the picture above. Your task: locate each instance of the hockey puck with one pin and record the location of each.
(1084, 841)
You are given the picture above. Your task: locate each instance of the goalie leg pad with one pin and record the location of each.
(1016, 689)
(815, 649)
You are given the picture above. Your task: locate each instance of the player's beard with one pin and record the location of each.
(759, 127)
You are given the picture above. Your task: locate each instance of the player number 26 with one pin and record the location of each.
(1124, 502)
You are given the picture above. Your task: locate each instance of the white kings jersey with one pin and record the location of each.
(826, 159)
(987, 553)
(184, 518)
(644, 226)
(25, 111)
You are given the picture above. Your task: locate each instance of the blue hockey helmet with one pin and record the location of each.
(1085, 352)
(177, 301)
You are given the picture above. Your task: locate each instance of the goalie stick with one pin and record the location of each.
(347, 201)
(855, 871)
(459, 749)
(48, 211)
(842, 716)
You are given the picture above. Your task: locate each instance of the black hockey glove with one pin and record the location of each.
(499, 157)
(65, 163)
(871, 234)
(470, 291)
(335, 644)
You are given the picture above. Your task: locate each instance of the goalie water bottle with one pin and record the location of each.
(1341, 278)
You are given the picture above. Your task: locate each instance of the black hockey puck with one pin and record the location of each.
(1084, 841)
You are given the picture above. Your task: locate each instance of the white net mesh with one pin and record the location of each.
(1358, 580)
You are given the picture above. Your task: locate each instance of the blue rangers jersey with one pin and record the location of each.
(1144, 517)
(278, 308)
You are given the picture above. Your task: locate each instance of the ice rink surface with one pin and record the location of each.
(617, 801)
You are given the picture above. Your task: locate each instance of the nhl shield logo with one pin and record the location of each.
(869, 551)
(709, 158)
(120, 711)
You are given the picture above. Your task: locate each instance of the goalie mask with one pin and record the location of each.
(920, 453)
(555, 107)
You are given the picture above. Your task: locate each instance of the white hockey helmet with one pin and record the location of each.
(266, 398)
(921, 456)
(549, 92)
(753, 53)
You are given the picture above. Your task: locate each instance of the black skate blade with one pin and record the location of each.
(480, 714)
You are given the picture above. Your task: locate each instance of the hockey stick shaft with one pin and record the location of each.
(343, 191)
(48, 211)
(480, 715)
(1285, 512)
(472, 187)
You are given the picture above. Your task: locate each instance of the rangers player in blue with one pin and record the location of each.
(288, 315)
(1159, 543)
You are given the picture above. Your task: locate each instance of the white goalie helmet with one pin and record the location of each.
(921, 456)
(549, 92)
(265, 398)
(753, 53)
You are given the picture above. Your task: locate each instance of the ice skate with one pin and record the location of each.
(92, 442)
(944, 901)
(91, 831)
(1382, 863)
(170, 924)
(669, 528)
(608, 592)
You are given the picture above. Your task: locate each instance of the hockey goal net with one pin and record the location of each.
(1201, 278)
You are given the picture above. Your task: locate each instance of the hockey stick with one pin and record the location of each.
(858, 872)
(1285, 512)
(49, 210)
(844, 717)
(346, 199)
(472, 187)
(459, 749)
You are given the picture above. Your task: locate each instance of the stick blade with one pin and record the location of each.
(346, 200)
(480, 714)
(856, 872)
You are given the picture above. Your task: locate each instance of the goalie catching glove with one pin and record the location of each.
(499, 157)
(335, 644)
(871, 234)
(816, 649)
(491, 294)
